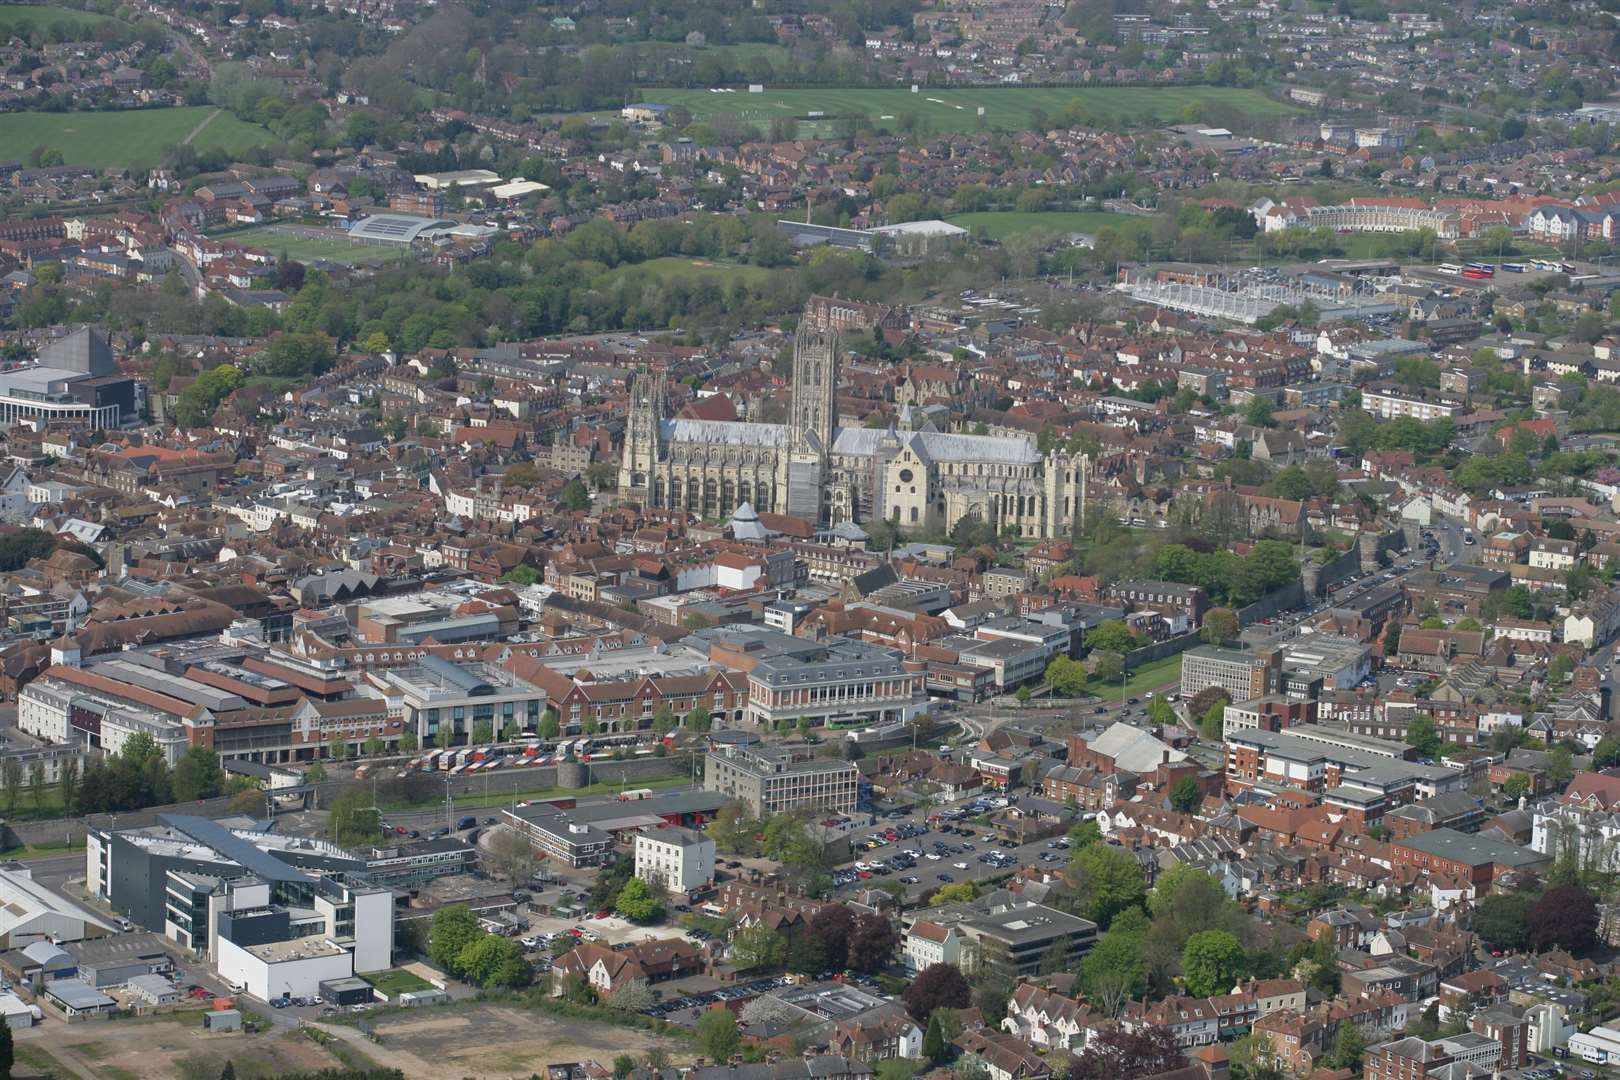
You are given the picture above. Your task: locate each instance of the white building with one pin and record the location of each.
(929, 943)
(30, 912)
(1600, 1046)
(1393, 404)
(676, 859)
(1549, 1027)
(293, 968)
(1593, 833)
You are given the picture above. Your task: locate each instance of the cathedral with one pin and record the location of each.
(911, 474)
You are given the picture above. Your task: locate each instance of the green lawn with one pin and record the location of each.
(23, 18)
(693, 271)
(1149, 676)
(334, 248)
(1000, 224)
(1005, 109)
(397, 981)
(127, 138)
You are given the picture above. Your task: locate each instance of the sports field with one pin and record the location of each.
(1005, 109)
(693, 271)
(121, 139)
(304, 244)
(23, 18)
(1000, 224)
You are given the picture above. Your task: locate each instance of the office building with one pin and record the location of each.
(223, 893)
(674, 859)
(588, 834)
(1010, 939)
(1243, 675)
(442, 703)
(780, 779)
(835, 681)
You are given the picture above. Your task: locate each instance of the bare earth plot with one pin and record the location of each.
(161, 1050)
(493, 1042)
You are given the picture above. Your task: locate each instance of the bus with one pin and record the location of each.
(1479, 270)
(1449, 268)
(564, 748)
(1514, 268)
(1470, 272)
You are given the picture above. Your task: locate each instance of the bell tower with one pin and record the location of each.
(811, 413)
(642, 436)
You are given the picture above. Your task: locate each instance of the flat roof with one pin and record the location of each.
(1469, 848)
(246, 855)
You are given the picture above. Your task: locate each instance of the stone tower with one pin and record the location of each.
(641, 437)
(812, 413)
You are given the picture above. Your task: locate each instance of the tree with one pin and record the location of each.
(623, 1065)
(483, 731)
(407, 742)
(1560, 764)
(1421, 733)
(574, 496)
(198, 775)
(36, 784)
(1348, 1046)
(717, 1034)
(1186, 796)
(493, 962)
(1516, 787)
(933, 1044)
(1114, 972)
(453, 929)
(1023, 695)
(352, 819)
(68, 783)
(957, 892)
(1559, 669)
(805, 955)
(1212, 724)
(338, 748)
(663, 719)
(1112, 635)
(938, 986)
(11, 776)
(140, 748)
(698, 720)
(1607, 751)
(1107, 667)
(1107, 880)
(1120, 1054)
(872, 941)
(1084, 834)
(549, 728)
(511, 855)
(1212, 962)
(759, 948)
(1066, 677)
(637, 903)
(8, 1056)
(315, 774)
(1565, 917)
(1502, 919)
(227, 1073)
(1220, 626)
(831, 925)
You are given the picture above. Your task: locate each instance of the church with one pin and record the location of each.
(910, 473)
